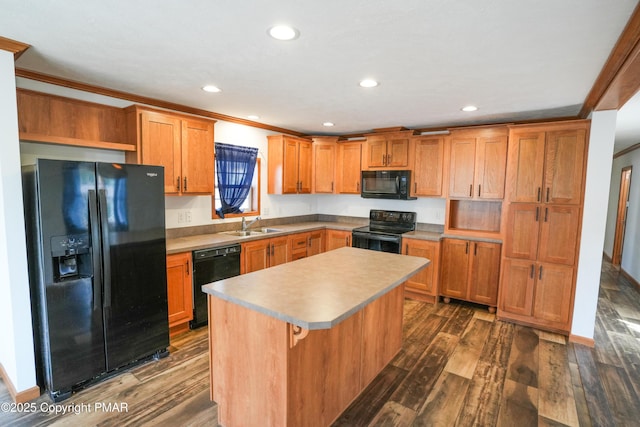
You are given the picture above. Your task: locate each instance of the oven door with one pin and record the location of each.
(377, 242)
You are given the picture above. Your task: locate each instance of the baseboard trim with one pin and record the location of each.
(606, 257)
(577, 339)
(627, 276)
(18, 397)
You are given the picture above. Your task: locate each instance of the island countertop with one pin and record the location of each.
(319, 292)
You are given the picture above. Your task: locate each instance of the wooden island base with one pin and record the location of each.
(268, 372)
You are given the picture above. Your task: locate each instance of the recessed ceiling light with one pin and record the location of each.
(211, 88)
(283, 32)
(368, 83)
(253, 117)
(327, 124)
(469, 108)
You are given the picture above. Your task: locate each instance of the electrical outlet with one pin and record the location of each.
(187, 216)
(180, 217)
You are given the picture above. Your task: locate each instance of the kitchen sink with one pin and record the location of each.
(247, 233)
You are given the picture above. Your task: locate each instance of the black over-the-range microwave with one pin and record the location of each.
(386, 185)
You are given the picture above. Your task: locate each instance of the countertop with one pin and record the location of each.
(319, 292)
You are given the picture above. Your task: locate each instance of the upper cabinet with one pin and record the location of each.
(478, 159)
(550, 165)
(428, 154)
(388, 150)
(289, 165)
(182, 144)
(348, 167)
(324, 164)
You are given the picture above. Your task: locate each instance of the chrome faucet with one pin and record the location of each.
(245, 225)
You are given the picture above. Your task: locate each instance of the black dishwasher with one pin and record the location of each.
(210, 265)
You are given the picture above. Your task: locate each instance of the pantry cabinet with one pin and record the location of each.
(470, 271)
(179, 291)
(428, 154)
(477, 164)
(423, 285)
(289, 165)
(337, 239)
(264, 253)
(348, 168)
(182, 144)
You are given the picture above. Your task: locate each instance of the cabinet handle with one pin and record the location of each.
(540, 276)
(532, 271)
(406, 249)
(547, 194)
(178, 183)
(388, 159)
(358, 187)
(537, 213)
(470, 190)
(188, 272)
(309, 241)
(332, 186)
(185, 183)
(466, 249)
(539, 193)
(384, 160)
(415, 187)
(475, 249)
(546, 214)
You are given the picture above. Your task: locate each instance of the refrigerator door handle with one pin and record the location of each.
(94, 224)
(106, 255)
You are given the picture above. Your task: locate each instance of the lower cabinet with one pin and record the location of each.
(179, 291)
(538, 293)
(423, 285)
(337, 239)
(264, 253)
(306, 244)
(470, 271)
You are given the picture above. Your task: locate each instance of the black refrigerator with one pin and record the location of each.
(97, 269)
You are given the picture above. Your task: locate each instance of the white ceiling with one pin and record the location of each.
(514, 60)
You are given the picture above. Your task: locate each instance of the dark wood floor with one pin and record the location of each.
(458, 366)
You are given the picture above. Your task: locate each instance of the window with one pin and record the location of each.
(242, 198)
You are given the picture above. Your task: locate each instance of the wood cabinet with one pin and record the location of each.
(470, 271)
(428, 154)
(548, 167)
(179, 291)
(348, 167)
(337, 239)
(264, 253)
(324, 164)
(289, 165)
(545, 180)
(180, 143)
(388, 151)
(478, 163)
(306, 244)
(423, 285)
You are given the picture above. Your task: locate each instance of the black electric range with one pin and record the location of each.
(384, 232)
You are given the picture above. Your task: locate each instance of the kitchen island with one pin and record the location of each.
(294, 344)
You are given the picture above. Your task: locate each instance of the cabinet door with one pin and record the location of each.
(485, 273)
(426, 281)
(179, 288)
(160, 144)
(290, 166)
(315, 242)
(526, 166)
(559, 234)
(349, 167)
(398, 152)
(490, 169)
(279, 251)
(564, 166)
(523, 226)
(255, 255)
(429, 154)
(337, 239)
(454, 274)
(516, 286)
(324, 161)
(376, 152)
(197, 157)
(553, 294)
(304, 166)
(461, 171)
(298, 246)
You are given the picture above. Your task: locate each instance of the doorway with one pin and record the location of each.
(621, 219)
